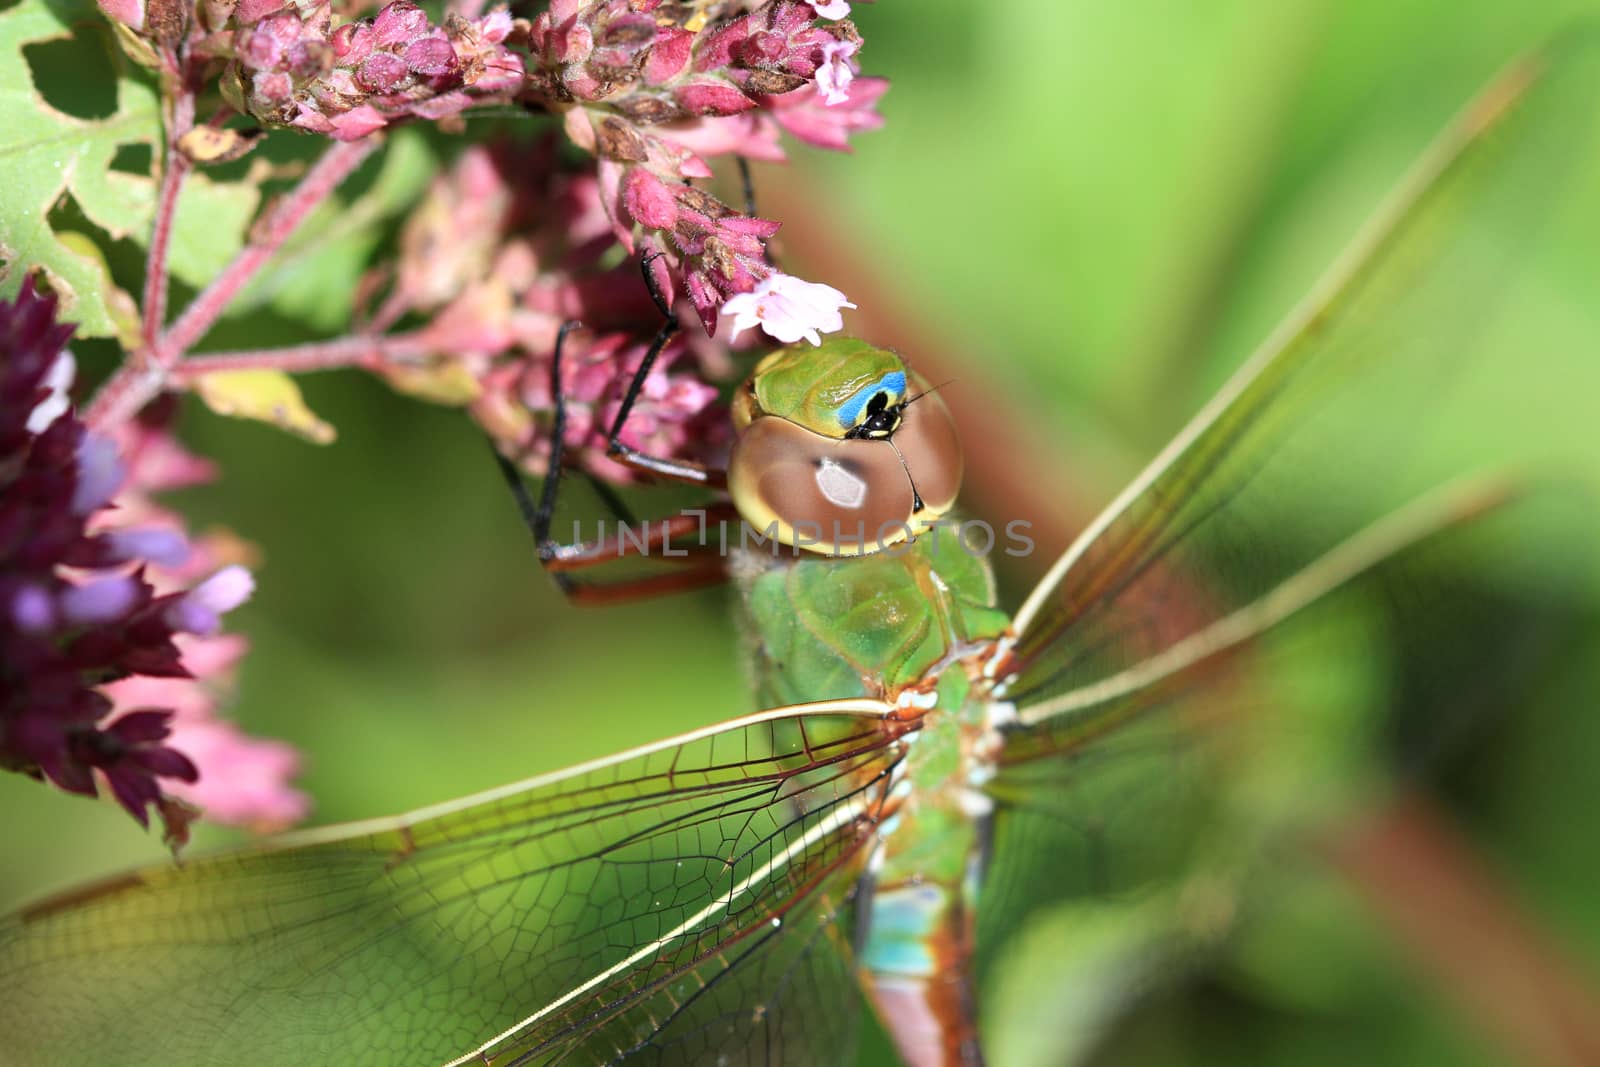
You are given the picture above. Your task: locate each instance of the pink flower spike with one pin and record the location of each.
(831, 9)
(835, 74)
(788, 308)
(244, 781)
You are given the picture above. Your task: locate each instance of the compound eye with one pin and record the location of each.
(872, 402)
(932, 450)
(836, 496)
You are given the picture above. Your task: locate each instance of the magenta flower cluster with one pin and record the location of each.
(509, 244)
(656, 79)
(290, 67)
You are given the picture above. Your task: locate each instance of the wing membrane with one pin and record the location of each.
(633, 904)
(1220, 518)
(1257, 572)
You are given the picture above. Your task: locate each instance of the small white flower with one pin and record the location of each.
(788, 308)
(831, 9)
(836, 72)
(58, 379)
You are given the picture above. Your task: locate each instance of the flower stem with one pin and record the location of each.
(172, 176)
(133, 385)
(312, 356)
(286, 216)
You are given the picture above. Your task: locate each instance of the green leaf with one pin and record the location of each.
(46, 154)
(314, 278)
(213, 218)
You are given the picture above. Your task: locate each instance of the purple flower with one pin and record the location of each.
(200, 610)
(788, 308)
(831, 9)
(79, 608)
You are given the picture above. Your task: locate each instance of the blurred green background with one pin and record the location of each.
(1100, 209)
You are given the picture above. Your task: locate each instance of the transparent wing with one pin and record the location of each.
(678, 903)
(1313, 468)
(1328, 426)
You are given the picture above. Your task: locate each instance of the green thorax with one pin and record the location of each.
(825, 629)
(826, 388)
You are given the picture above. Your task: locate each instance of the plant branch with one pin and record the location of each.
(172, 177)
(363, 350)
(134, 386)
(285, 217)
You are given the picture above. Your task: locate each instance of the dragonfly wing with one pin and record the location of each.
(1112, 790)
(1401, 324)
(676, 902)
(1152, 628)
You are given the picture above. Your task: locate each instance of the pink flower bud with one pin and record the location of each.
(398, 23)
(431, 57)
(712, 98)
(496, 26)
(356, 123)
(99, 474)
(272, 86)
(169, 548)
(353, 42)
(649, 200)
(669, 56)
(250, 12)
(33, 610)
(381, 73)
(199, 611)
(128, 12)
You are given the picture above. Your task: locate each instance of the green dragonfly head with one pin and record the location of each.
(841, 449)
(841, 388)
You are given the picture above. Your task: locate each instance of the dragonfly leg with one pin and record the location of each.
(700, 560)
(677, 470)
(747, 183)
(650, 539)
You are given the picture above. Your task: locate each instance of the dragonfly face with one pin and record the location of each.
(834, 456)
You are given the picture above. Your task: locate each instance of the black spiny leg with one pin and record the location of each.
(704, 568)
(538, 517)
(677, 470)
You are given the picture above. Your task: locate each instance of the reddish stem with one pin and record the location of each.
(313, 356)
(285, 217)
(134, 386)
(172, 176)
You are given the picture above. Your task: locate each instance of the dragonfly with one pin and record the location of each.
(930, 772)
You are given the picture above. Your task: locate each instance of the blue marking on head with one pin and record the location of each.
(893, 383)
